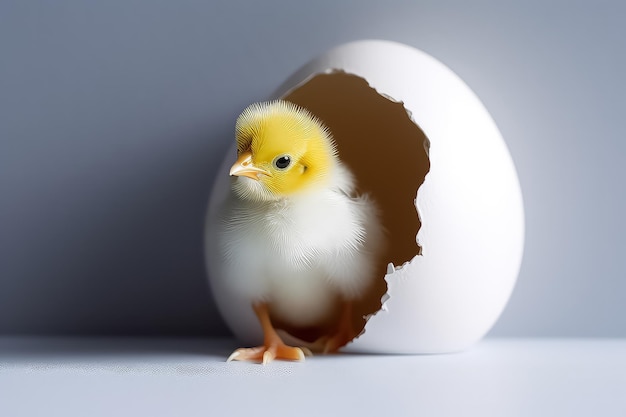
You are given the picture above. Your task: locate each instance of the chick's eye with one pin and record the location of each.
(282, 162)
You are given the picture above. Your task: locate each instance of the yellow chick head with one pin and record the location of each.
(282, 150)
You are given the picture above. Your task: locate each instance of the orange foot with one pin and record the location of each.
(273, 347)
(336, 341)
(267, 353)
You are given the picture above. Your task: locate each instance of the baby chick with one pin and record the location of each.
(295, 239)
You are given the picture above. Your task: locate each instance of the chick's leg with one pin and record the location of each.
(342, 334)
(273, 347)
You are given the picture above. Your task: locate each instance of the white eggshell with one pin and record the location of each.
(470, 206)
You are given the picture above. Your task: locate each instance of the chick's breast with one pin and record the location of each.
(301, 254)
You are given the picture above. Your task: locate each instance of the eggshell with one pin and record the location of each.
(450, 291)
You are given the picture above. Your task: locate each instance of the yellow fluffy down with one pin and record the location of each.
(279, 128)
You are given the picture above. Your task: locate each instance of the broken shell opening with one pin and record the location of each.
(387, 153)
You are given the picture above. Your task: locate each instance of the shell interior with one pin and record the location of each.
(388, 154)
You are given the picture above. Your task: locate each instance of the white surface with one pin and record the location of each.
(152, 377)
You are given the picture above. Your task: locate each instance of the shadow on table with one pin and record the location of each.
(84, 347)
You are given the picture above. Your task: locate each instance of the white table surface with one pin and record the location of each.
(188, 377)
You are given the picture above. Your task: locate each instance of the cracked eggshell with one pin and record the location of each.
(422, 143)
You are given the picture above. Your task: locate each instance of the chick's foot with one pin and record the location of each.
(273, 346)
(267, 353)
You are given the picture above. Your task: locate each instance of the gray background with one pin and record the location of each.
(114, 116)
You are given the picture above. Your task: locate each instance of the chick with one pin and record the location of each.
(295, 239)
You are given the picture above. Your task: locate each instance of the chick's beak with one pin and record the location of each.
(244, 167)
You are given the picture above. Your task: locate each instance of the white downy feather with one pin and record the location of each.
(300, 252)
